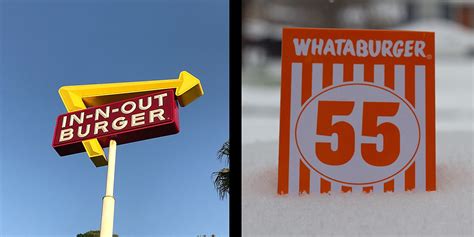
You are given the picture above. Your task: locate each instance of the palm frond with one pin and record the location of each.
(222, 182)
(222, 177)
(224, 152)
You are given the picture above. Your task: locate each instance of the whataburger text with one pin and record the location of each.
(359, 48)
(139, 111)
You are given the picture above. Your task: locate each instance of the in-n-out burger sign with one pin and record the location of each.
(116, 113)
(125, 121)
(99, 113)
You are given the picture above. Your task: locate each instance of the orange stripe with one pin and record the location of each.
(368, 189)
(348, 72)
(306, 89)
(284, 146)
(410, 177)
(390, 76)
(389, 186)
(389, 82)
(346, 189)
(410, 96)
(410, 83)
(369, 77)
(348, 76)
(430, 128)
(369, 72)
(327, 74)
(325, 186)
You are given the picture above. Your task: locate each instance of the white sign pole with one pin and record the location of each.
(108, 202)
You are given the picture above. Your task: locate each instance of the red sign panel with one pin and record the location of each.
(144, 117)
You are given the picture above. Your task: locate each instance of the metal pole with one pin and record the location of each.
(108, 202)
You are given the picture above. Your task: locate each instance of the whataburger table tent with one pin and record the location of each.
(357, 111)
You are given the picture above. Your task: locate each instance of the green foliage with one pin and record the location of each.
(93, 233)
(224, 152)
(222, 177)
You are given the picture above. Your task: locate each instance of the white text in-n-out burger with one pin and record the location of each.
(139, 113)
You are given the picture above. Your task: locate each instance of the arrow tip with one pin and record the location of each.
(189, 90)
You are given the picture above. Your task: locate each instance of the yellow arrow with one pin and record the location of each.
(78, 97)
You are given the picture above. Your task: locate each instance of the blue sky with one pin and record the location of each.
(163, 186)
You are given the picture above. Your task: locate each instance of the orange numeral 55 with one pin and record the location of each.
(346, 135)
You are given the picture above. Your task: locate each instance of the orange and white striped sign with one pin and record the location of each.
(357, 111)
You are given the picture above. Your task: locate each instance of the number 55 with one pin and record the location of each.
(346, 135)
